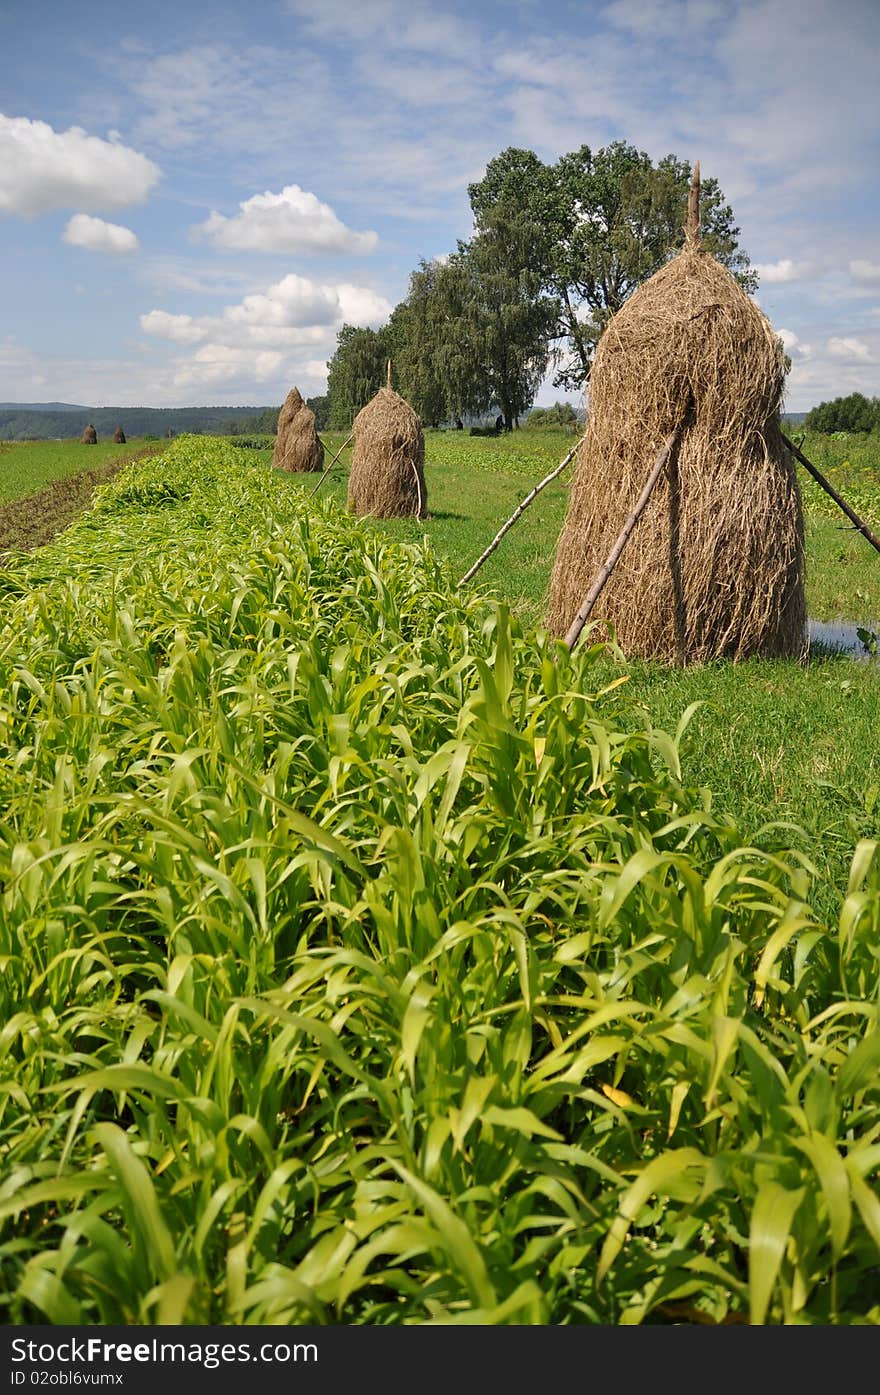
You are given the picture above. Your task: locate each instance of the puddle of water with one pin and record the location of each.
(843, 637)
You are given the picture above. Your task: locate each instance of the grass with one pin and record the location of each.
(773, 741)
(28, 466)
(366, 958)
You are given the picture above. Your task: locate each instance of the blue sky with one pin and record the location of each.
(195, 196)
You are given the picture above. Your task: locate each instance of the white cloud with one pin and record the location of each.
(287, 330)
(850, 350)
(42, 169)
(292, 310)
(97, 236)
(181, 329)
(865, 272)
(292, 221)
(786, 270)
(794, 346)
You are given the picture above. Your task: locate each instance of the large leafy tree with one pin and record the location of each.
(417, 332)
(355, 373)
(473, 333)
(597, 224)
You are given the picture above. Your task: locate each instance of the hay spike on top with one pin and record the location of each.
(297, 447)
(692, 226)
(387, 477)
(716, 566)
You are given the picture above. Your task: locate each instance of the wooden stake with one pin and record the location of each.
(415, 470)
(692, 226)
(548, 479)
(851, 514)
(598, 585)
(330, 466)
(388, 383)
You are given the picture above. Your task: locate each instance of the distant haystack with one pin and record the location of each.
(119, 436)
(387, 478)
(715, 568)
(297, 447)
(90, 436)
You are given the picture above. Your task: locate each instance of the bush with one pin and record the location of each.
(560, 414)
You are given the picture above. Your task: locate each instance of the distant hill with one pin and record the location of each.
(48, 421)
(42, 407)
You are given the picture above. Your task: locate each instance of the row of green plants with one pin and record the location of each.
(358, 964)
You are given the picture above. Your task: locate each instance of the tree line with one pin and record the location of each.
(852, 413)
(556, 250)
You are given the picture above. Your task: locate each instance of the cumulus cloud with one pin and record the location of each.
(865, 272)
(42, 169)
(784, 270)
(794, 346)
(850, 350)
(180, 329)
(292, 311)
(292, 221)
(97, 236)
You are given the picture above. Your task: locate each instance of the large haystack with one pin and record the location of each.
(89, 436)
(387, 478)
(119, 436)
(715, 567)
(297, 446)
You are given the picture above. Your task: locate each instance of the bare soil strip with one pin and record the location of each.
(37, 519)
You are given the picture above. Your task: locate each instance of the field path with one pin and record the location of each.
(38, 518)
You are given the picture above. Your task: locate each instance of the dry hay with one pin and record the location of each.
(297, 447)
(387, 478)
(119, 436)
(715, 567)
(89, 436)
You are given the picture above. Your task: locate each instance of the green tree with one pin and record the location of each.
(415, 331)
(473, 333)
(596, 225)
(852, 413)
(321, 408)
(355, 373)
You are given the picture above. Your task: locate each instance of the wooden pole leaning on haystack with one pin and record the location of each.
(519, 511)
(859, 523)
(387, 477)
(297, 447)
(595, 591)
(717, 568)
(330, 466)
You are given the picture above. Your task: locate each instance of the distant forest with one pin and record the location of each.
(36, 421)
(50, 421)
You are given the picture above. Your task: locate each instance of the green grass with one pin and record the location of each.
(28, 466)
(367, 959)
(773, 741)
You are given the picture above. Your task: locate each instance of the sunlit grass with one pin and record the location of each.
(367, 958)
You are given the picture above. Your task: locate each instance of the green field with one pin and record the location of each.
(772, 740)
(367, 958)
(28, 466)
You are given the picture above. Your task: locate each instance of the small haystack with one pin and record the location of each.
(89, 436)
(715, 567)
(297, 446)
(387, 478)
(119, 436)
